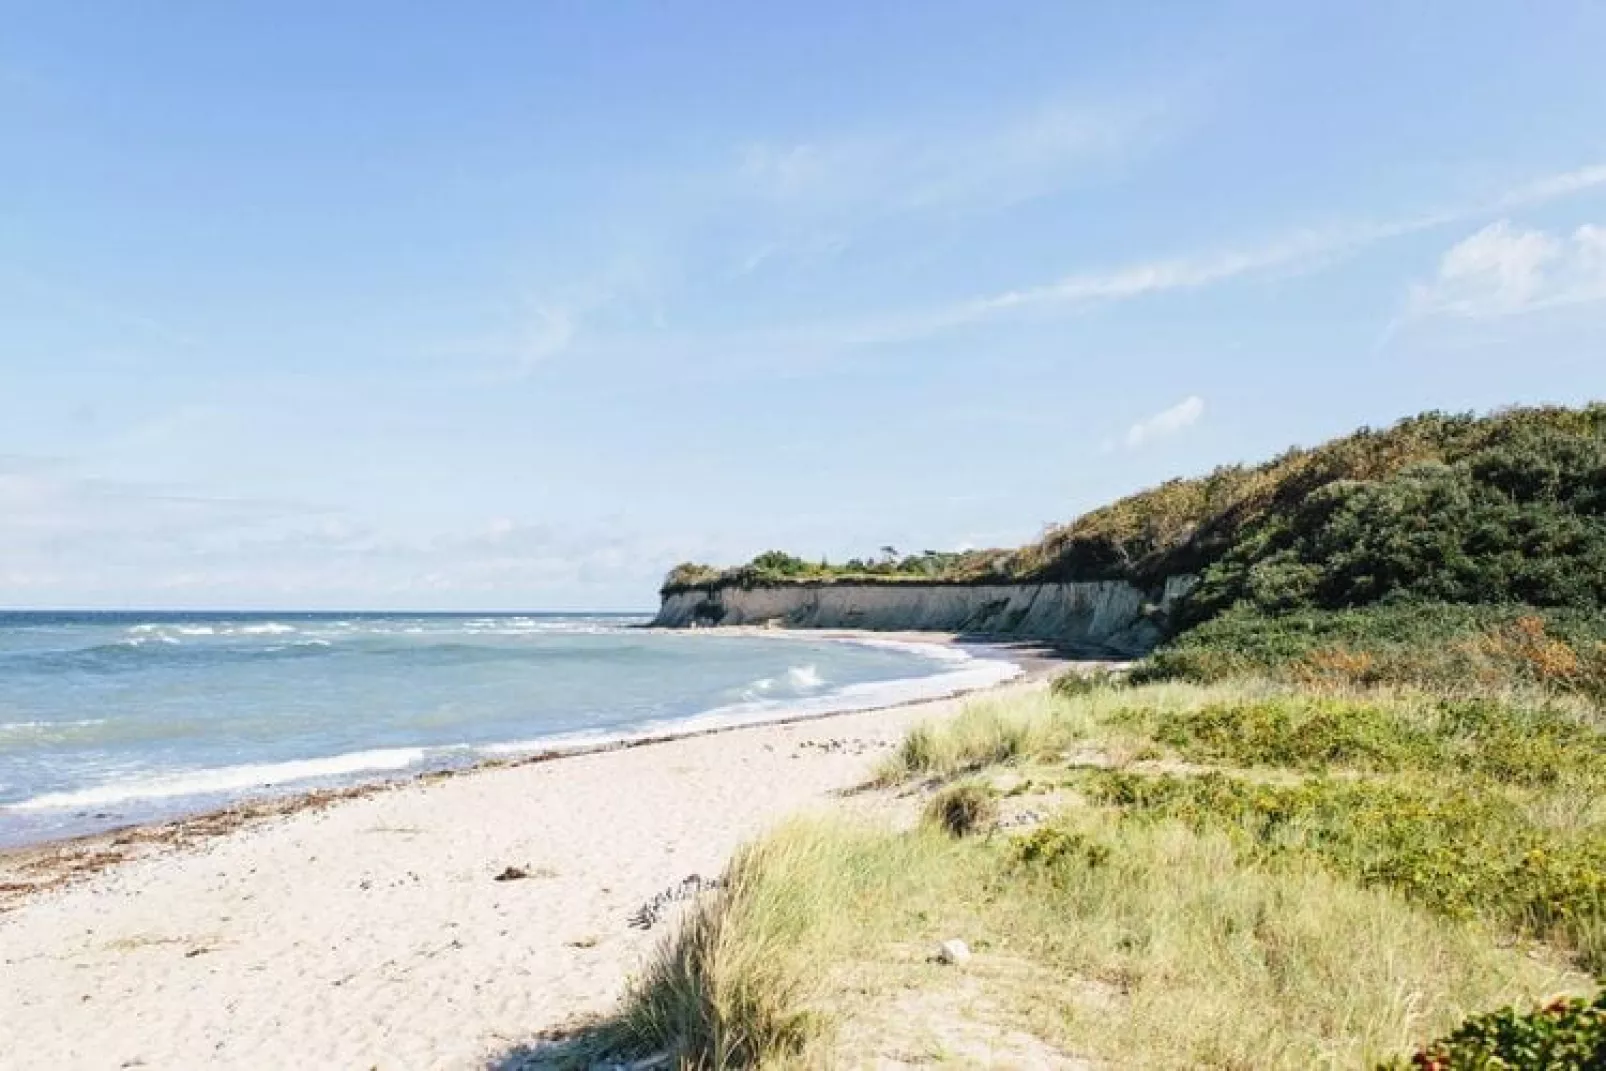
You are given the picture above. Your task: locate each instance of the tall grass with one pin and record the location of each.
(728, 989)
(984, 733)
(1417, 858)
(1195, 957)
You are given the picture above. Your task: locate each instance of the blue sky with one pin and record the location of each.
(515, 305)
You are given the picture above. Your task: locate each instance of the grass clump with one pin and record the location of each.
(1078, 682)
(1567, 1034)
(985, 733)
(963, 809)
(725, 990)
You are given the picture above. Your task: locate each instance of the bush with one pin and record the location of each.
(963, 809)
(1076, 682)
(1568, 1034)
(1444, 646)
(1053, 846)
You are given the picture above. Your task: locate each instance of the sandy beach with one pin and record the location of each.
(385, 928)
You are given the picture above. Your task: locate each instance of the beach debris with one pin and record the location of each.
(953, 952)
(1023, 818)
(836, 746)
(653, 911)
(512, 873)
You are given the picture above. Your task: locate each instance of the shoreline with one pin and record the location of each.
(440, 921)
(31, 867)
(88, 811)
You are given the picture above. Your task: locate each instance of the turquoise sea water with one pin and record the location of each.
(107, 719)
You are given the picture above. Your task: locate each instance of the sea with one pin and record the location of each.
(109, 719)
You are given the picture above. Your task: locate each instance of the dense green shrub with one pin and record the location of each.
(1568, 1034)
(1523, 520)
(1444, 646)
(1241, 516)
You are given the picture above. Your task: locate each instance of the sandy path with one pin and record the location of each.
(372, 934)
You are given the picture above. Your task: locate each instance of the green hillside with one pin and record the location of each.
(1504, 508)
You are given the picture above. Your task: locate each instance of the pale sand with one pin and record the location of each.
(370, 933)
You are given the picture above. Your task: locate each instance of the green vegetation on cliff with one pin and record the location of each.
(1505, 508)
(889, 567)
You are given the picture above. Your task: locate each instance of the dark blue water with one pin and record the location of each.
(110, 718)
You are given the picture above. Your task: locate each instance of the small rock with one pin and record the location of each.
(512, 873)
(953, 952)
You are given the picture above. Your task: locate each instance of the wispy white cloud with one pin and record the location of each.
(549, 331)
(549, 322)
(808, 200)
(988, 163)
(1504, 270)
(1166, 423)
(1551, 187)
(1294, 251)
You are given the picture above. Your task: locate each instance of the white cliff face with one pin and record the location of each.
(1108, 615)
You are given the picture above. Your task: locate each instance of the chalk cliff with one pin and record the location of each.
(1106, 616)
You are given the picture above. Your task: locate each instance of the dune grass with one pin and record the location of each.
(1287, 845)
(1492, 808)
(1142, 944)
(1252, 875)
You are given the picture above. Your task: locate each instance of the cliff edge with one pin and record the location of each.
(1110, 617)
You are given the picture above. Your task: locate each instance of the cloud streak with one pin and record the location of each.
(1166, 423)
(985, 165)
(1294, 251)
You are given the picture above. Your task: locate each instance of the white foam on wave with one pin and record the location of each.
(961, 672)
(140, 641)
(271, 628)
(804, 677)
(27, 726)
(758, 688)
(225, 779)
(967, 673)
